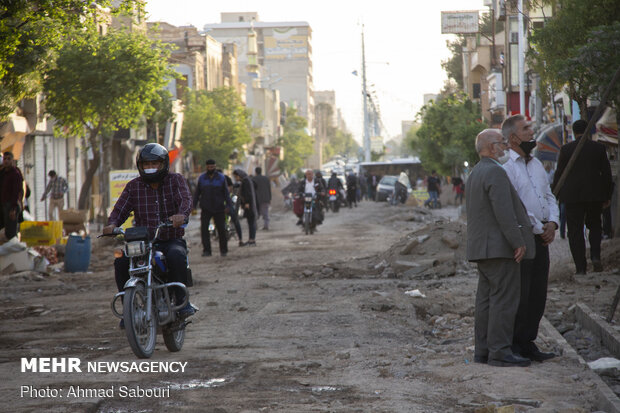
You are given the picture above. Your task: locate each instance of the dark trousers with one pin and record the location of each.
(251, 225)
(175, 251)
(577, 214)
(534, 278)
(219, 219)
(497, 300)
(11, 226)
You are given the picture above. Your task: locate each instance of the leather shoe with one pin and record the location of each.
(481, 359)
(511, 360)
(539, 356)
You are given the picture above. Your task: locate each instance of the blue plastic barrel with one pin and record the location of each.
(77, 254)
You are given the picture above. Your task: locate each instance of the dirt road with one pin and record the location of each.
(297, 324)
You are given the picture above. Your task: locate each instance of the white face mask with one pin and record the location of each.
(150, 171)
(504, 157)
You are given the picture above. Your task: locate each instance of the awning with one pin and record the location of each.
(13, 133)
(607, 128)
(549, 142)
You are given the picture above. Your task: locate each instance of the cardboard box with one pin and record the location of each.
(17, 261)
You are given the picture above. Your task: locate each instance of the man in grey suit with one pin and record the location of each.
(499, 236)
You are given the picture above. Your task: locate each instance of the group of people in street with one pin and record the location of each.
(213, 193)
(512, 216)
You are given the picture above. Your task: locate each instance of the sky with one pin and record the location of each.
(403, 42)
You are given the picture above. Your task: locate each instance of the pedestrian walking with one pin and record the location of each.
(586, 191)
(247, 199)
(352, 190)
(263, 195)
(531, 181)
(57, 187)
(499, 236)
(233, 190)
(11, 195)
(433, 186)
(214, 200)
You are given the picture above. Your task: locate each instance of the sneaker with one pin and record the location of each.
(206, 254)
(187, 311)
(251, 243)
(242, 244)
(300, 222)
(223, 254)
(121, 325)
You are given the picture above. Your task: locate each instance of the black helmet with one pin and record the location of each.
(153, 152)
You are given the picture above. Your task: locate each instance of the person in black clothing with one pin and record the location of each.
(233, 189)
(433, 186)
(586, 191)
(352, 190)
(247, 200)
(310, 184)
(212, 193)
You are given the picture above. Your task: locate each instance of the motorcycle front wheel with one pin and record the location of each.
(307, 219)
(141, 333)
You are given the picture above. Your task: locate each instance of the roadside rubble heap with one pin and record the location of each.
(15, 256)
(433, 251)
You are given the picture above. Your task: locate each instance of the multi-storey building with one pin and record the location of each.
(282, 60)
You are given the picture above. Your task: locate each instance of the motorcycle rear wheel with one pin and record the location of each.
(141, 334)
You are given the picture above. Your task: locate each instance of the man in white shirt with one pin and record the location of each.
(529, 178)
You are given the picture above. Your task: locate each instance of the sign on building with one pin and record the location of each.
(376, 144)
(285, 43)
(459, 22)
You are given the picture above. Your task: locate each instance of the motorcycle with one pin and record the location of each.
(228, 223)
(309, 205)
(147, 303)
(334, 201)
(288, 201)
(399, 195)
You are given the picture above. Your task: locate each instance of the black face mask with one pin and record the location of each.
(527, 146)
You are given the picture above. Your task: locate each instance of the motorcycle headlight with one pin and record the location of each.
(135, 248)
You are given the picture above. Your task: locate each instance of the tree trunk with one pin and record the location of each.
(92, 169)
(616, 189)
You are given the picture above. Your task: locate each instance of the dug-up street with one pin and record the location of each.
(303, 323)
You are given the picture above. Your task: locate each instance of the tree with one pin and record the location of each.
(447, 133)
(30, 32)
(102, 83)
(215, 124)
(297, 144)
(556, 45)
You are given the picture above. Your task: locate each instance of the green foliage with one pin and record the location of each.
(102, 83)
(454, 65)
(105, 82)
(556, 46)
(447, 133)
(215, 123)
(297, 144)
(30, 32)
(598, 61)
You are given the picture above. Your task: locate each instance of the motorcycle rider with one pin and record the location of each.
(400, 187)
(311, 185)
(335, 183)
(352, 189)
(155, 196)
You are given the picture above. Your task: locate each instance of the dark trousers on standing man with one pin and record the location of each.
(219, 218)
(534, 278)
(577, 214)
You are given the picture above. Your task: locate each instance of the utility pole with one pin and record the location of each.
(365, 102)
(521, 61)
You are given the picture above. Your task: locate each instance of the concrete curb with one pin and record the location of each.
(607, 400)
(599, 327)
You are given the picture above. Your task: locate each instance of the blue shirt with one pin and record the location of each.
(212, 192)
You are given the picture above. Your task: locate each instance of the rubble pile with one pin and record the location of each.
(435, 250)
